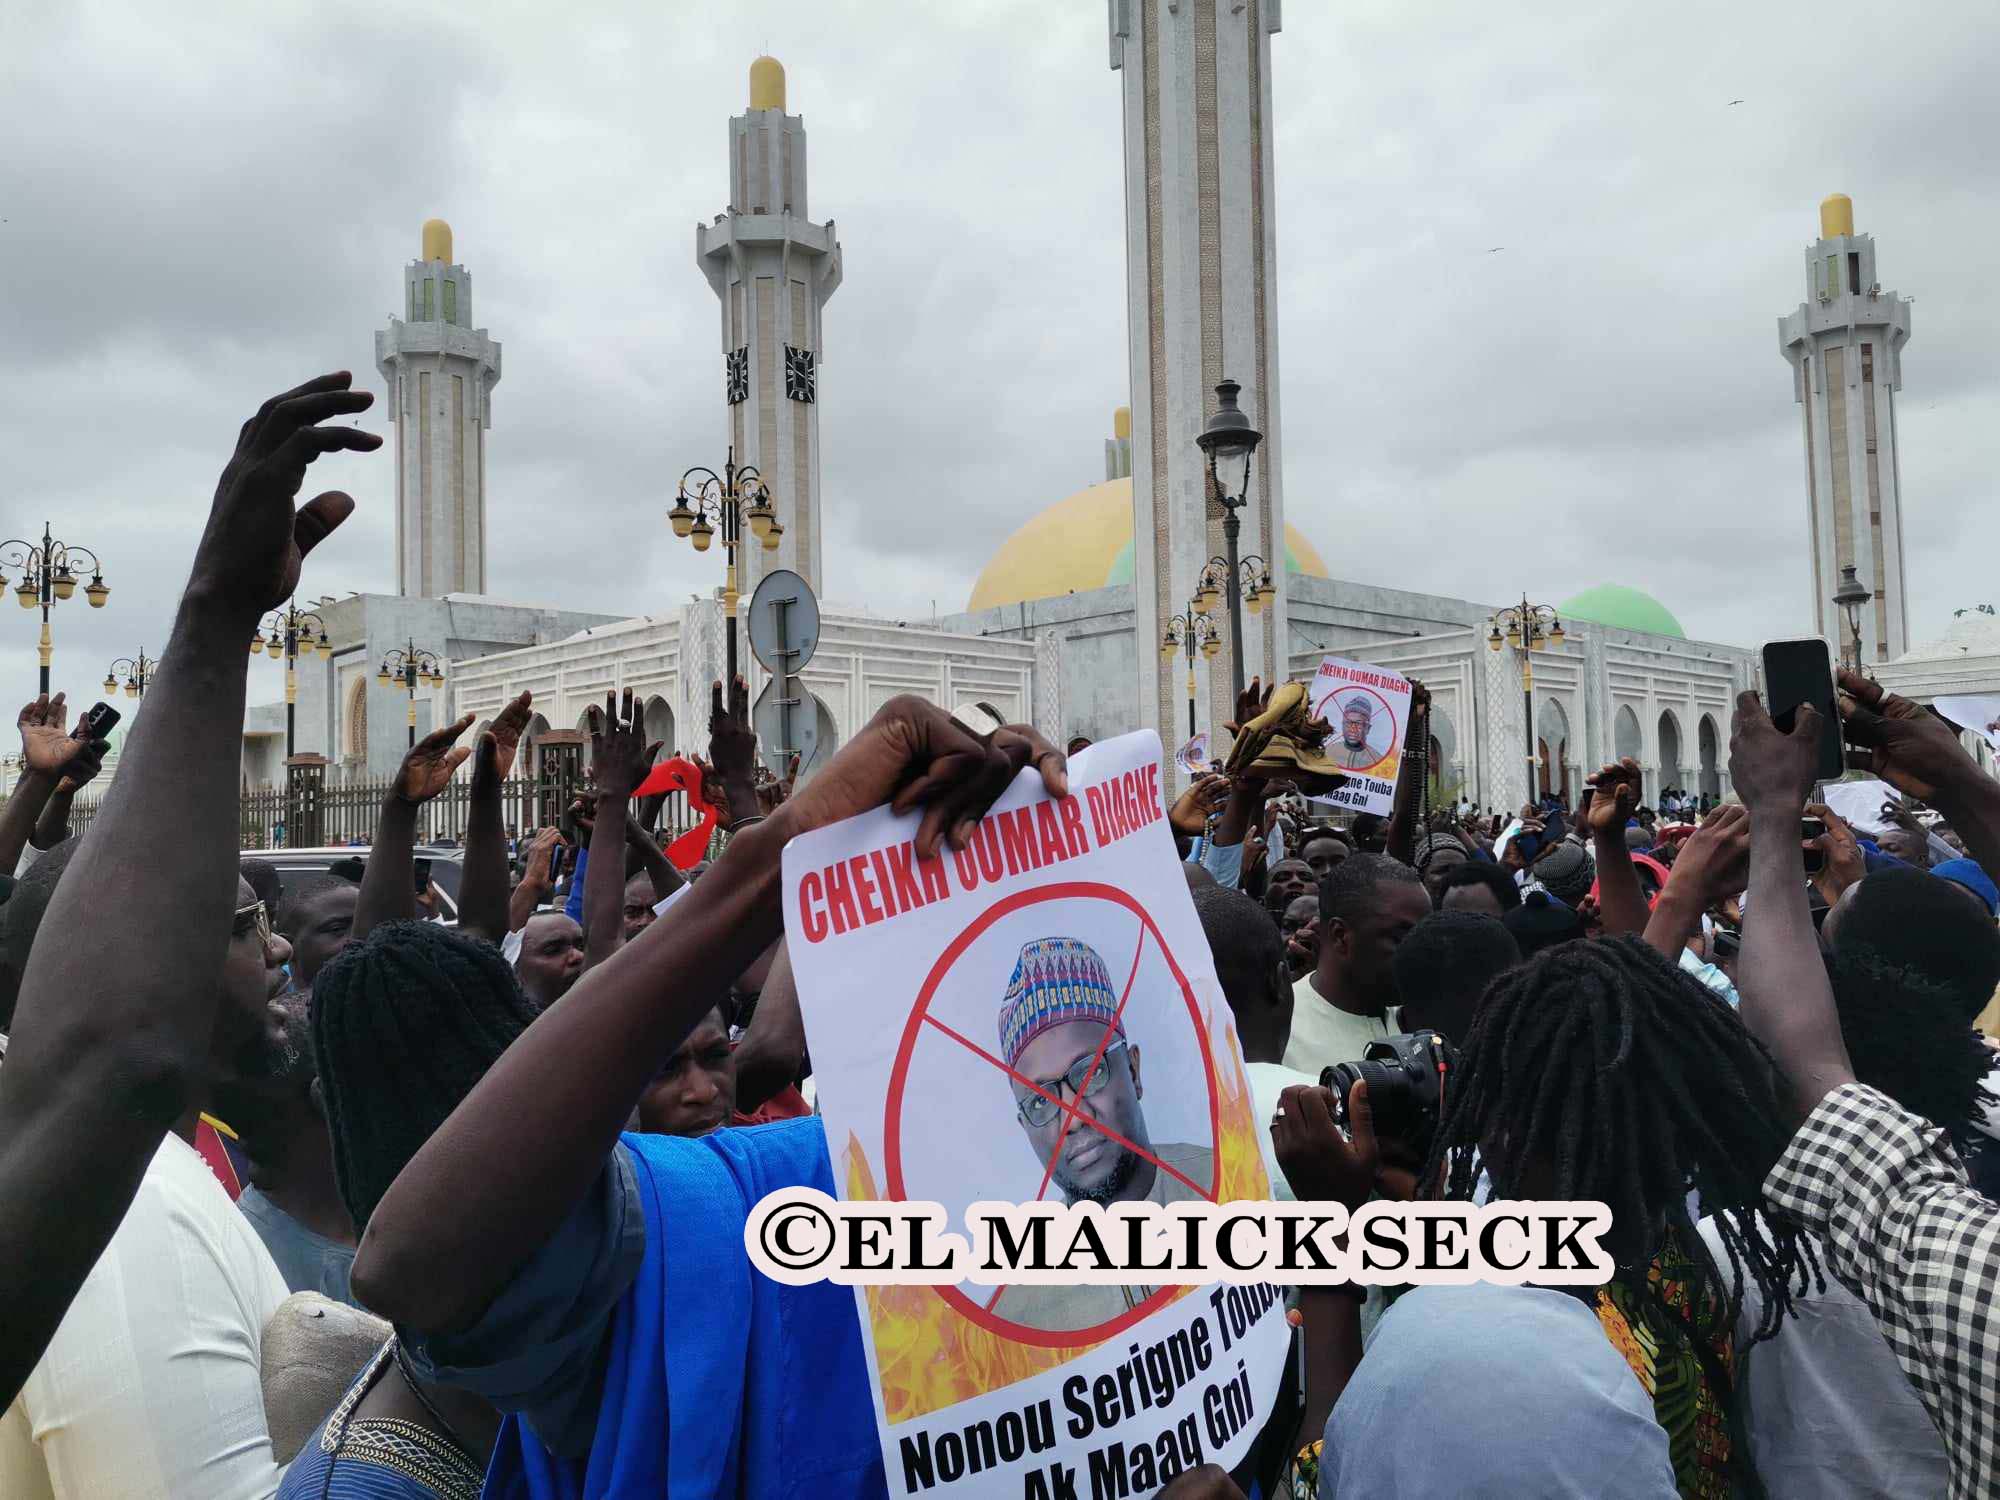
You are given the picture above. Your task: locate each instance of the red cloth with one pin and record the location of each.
(680, 775)
(214, 1149)
(787, 1104)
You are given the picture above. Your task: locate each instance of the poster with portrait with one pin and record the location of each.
(1369, 710)
(1036, 1018)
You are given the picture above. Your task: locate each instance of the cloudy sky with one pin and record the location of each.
(204, 203)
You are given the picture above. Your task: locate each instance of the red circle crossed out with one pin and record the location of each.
(892, 1125)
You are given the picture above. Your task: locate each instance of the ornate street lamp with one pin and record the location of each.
(1228, 441)
(410, 667)
(1852, 596)
(47, 577)
(136, 670)
(1195, 631)
(708, 502)
(1528, 628)
(290, 633)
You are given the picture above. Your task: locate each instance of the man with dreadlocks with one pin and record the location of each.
(1600, 1071)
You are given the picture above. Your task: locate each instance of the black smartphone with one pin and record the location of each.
(1797, 673)
(1810, 829)
(423, 867)
(555, 863)
(98, 723)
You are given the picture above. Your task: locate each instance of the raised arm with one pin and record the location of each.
(86, 760)
(618, 764)
(482, 884)
(1621, 902)
(553, 1105)
(1712, 866)
(118, 1006)
(1402, 832)
(537, 882)
(1918, 753)
(1786, 1000)
(773, 1049)
(389, 883)
(46, 749)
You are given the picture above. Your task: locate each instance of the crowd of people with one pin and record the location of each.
(309, 1193)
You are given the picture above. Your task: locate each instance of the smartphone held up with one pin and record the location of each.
(1797, 673)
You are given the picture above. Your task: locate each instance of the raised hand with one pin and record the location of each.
(506, 730)
(428, 767)
(537, 862)
(913, 754)
(1844, 864)
(1904, 743)
(1716, 857)
(732, 749)
(256, 542)
(1320, 1164)
(618, 759)
(46, 745)
(1201, 801)
(1615, 798)
(83, 766)
(1775, 771)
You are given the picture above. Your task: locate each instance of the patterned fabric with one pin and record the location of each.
(1684, 1403)
(1885, 1193)
(1056, 979)
(379, 1458)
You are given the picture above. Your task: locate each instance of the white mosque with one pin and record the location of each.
(1064, 624)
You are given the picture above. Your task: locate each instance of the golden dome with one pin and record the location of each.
(767, 84)
(1836, 216)
(437, 240)
(1085, 542)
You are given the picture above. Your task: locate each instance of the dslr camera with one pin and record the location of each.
(1406, 1077)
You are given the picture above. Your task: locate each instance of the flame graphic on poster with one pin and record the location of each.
(929, 1355)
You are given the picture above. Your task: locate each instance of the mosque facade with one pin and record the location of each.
(1064, 625)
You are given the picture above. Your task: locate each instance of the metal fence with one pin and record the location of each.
(347, 812)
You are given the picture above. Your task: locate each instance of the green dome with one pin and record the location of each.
(1615, 605)
(1121, 565)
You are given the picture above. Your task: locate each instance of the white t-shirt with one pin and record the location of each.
(150, 1388)
(1323, 1035)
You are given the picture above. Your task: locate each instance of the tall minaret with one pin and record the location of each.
(441, 373)
(1201, 287)
(773, 269)
(1845, 345)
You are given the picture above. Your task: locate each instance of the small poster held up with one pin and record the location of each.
(1369, 709)
(1192, 757)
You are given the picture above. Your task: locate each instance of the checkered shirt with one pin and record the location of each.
(1885, 1194)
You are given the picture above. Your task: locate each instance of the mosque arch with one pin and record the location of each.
(1709, 747)
(1447, 776)
(1626, 739)
(354, 720)
(657, 717)
(1552, 749)
(1670, 752)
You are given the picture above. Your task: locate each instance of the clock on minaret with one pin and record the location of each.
(799, 373)
(736, 375)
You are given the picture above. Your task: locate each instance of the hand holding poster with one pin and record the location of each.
(1369, 709)
(1192, 757)
(1036, 1018)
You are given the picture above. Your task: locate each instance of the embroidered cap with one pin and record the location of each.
(1056, 980)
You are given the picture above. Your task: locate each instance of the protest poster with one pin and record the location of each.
(946, 1002)
(1192, 757)
(1369, 709)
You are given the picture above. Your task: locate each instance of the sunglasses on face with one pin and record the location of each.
(255, 917)
(1040, 1109)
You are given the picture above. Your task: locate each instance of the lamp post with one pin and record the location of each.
(410, 666)
(1528, 628)
(1194, 631)
(46, 577)
(136, 670)
(1228, 441)
(707, 502)
(1852, 596)
(290, 633)
(1253, 579)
